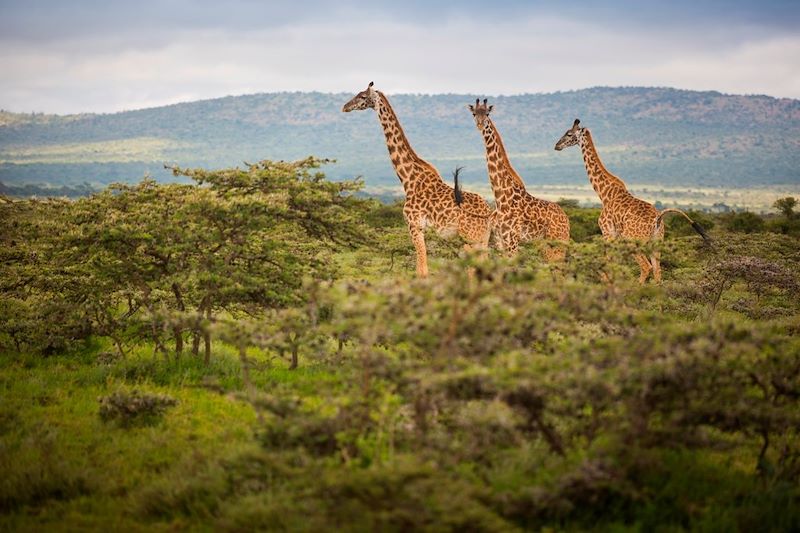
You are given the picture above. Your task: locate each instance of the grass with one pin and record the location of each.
(66, 468)
(62, 464)
(117, 151)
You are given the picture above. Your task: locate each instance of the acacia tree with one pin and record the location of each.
(40, 299)
(786, 206)
(575, 400)
(262, 229)
(238, 241)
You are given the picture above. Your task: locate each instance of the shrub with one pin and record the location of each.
(564, 384)
(677, 226)
(236, 241)
(582, 222)
(760, 276)
(132, 407)
(786, 206)
(744, 222)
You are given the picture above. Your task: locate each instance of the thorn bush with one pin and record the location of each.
(129, 408)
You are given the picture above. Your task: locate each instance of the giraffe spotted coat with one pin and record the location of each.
(623, 215)
(519, 216)
(430, 202)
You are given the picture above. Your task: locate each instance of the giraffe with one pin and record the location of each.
(623, 215)
(519, 216)
(430, 202)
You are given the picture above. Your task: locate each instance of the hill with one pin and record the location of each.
(653, 137)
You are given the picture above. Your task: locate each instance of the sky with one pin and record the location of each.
(106, 56)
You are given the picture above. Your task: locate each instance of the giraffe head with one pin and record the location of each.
(571, 137)
(480, 112)
(364, 100)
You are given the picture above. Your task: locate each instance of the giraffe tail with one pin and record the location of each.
(457, 194)
(697, 227)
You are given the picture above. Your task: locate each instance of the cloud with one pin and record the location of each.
(506, 50)
(768, 66)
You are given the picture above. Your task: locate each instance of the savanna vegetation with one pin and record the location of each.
(253, 351)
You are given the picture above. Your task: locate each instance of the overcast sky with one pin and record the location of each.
(102, 56)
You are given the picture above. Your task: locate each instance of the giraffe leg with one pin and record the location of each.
(476, 232)
(553, 253)
(555, 249)
(476, 250)
(418, 238)
(511, 243)
(508, 235)
(487, 232)
(644, 264)
(558, 234)
(609, 232)
(655, 261)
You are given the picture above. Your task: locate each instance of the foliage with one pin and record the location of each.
(744, 222)
(386, 215)
(37, 470)
(568, 203)
(28, 190)
(38, 297)
(496, 395)
(759, 275)
(788, 223)
(128, 408)
(582, 222)
(240, 241)
(588, 401)
(786, 206)
(677, 226)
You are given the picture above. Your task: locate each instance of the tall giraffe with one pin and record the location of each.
(429, 200)
(519, 216)
(622, 215)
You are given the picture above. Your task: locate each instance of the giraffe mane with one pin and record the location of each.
(607, 174)
(429, 168)
(385, 102)
(501, 149)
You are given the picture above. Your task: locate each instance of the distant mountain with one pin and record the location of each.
(649, 136)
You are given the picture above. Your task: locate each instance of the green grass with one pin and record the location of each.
(63, 465)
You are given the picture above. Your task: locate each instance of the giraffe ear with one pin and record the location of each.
(371, 84)
(490, 109)
(471, 107)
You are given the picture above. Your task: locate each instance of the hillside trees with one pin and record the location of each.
(239, 241)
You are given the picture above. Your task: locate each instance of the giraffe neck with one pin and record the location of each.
(502, 175)
(400, 152)
(604, 183)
